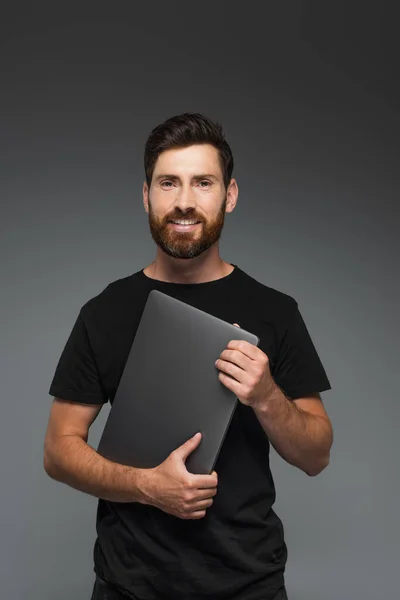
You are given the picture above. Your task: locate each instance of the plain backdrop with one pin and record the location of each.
(308, 98)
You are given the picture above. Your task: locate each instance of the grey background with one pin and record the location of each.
(307, 94)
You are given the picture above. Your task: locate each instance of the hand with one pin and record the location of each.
(244, 369)
(174, 490)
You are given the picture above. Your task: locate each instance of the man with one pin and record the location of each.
(165, 533)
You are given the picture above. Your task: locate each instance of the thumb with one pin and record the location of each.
(188, 447)
(236, 325)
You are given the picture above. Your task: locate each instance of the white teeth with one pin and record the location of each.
(185, 222)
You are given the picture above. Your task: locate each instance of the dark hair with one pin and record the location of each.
(185, 130)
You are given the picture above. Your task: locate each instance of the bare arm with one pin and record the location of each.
(169, 486)
(69, 459)
(299, 430)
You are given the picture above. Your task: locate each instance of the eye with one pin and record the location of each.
(205, 181)
(166, 181)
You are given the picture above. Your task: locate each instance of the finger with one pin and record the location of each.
(187, 447)
(196, 515)
(249, 350)
(202, 505)
(231, 383)
(205, 494)
(231, 370)
(205, 482)
(237, 358)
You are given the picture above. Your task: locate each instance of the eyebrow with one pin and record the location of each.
(195, 177)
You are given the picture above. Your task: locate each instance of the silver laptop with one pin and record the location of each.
(169, 388)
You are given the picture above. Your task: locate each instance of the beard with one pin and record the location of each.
(186, 244)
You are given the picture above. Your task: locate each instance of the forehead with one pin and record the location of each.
(203, 158)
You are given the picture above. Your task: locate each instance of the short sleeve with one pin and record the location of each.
(76, 377)
(298, 370)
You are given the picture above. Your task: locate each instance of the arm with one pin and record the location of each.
(170, 487)
(299, 430)
(69, 459)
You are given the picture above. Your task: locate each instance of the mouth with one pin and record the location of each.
(184, 226)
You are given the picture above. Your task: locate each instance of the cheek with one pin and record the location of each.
(159, 209)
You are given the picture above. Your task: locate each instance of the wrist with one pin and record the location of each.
(144, 481)
(262, 403)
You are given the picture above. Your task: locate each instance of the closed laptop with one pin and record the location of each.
(170, 389)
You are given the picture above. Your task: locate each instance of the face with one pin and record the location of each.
(187, 184)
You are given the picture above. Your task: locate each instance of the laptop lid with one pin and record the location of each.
(169, 388)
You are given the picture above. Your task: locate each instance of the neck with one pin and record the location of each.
(203, 268)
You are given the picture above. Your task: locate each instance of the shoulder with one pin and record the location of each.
(115, 298)
(277, 304)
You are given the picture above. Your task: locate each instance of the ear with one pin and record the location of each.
(231, 196)
(146, 196)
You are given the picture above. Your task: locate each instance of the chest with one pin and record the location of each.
(114, 339)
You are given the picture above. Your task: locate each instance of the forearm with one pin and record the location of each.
(302, 439)
(72, 461)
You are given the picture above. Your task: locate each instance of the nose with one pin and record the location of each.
(185, 199)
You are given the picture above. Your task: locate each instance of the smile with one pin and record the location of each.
(184, 226)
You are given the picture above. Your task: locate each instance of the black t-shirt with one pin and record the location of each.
(237, 551)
